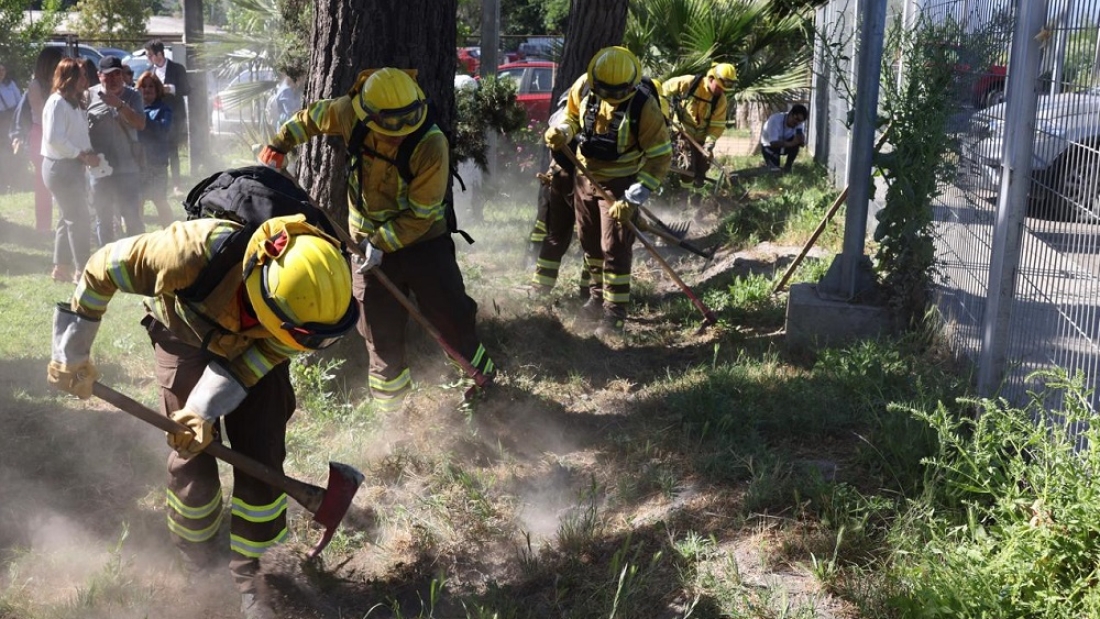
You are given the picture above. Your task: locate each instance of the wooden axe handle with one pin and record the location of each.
(307, 495)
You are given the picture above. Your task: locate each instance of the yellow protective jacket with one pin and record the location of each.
(647, 158)
(387, 210)
(157, 265)
(701, 114)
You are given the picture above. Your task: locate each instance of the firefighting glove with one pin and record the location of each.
(272, 157)
(372, 256)
(70, 368)
(197, 434)
(621, 211)
(636, 194)
(558, 136)
(709, 147)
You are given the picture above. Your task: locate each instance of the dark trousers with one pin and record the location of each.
(559, 217)
(257, 429)
(602, 236)
(700, 164)
(65, 179)
(771, 156)
(429, 271)
(117, 202)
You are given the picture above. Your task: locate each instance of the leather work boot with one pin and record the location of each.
(591, 311)
(611, 325)
(252, 607)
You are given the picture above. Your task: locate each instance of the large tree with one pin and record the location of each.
(352, 35)
(593, 24)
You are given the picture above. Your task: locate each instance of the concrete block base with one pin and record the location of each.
(814, 322)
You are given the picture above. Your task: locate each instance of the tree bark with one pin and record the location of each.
(593, 25)
(352, 35)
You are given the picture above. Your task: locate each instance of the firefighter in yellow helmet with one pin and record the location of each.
(699, 108)
(624, 143)
(221, 356)
(398, 179)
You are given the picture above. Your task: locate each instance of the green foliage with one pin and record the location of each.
(19, 40)
(917, 111)
(768, 44)
(112, 22)
(492, 107)
(1008, 524)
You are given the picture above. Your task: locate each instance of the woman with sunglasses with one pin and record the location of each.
(627, 156)
(397, 215)
(699, 112)
(223, 356)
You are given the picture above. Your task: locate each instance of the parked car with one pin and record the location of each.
(84, 51)
(534, 83)
(469, 59)
(114, 51)
(242, 104)
(1066, 159)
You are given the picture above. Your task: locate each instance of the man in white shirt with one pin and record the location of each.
(784, 134)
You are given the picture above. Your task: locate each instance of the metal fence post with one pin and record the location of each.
(1019, 132)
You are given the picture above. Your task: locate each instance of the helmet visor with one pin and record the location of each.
(396, 120)
(311, 335)
(612, 92)
(725, 84)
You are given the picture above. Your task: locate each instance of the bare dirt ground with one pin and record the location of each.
(81, 486)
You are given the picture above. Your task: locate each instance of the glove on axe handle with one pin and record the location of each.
(343, 479)
(708, 316)
(307, 495)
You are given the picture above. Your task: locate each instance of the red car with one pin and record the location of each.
(534, 83)
(469, 59)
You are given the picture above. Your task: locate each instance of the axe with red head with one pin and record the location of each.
(328, 505)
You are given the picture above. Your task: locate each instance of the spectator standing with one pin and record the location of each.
(66, 150)
(10, 96)
(115, 116)
(38, 90)
(155, 142)
(174, 77)
(784, 133)
(287, 100)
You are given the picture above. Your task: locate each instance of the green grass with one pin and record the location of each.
(690, 473)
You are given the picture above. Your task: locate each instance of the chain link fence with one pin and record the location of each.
(1018, 225)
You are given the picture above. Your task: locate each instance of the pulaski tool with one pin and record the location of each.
(328, 505)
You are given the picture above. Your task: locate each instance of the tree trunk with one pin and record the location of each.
(352, 35)
(593, 25)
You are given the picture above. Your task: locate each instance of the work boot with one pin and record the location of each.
(611, 325)
(252, 607)
(592, 310)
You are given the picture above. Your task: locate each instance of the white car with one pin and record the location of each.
(1066, 160)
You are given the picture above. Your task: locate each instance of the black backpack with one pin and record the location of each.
(249, 196)
(355, 150)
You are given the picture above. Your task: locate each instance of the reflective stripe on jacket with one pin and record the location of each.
(156, 265)
(395, 214)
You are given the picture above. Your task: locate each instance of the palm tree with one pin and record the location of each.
(768, 41)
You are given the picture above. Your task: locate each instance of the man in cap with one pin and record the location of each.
(116, 113)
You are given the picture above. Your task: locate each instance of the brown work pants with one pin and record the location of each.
(602, 236)
(559, 217)
(429, 271)
(257, 429)
(700, 164)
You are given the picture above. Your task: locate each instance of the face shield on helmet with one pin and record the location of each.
(724, 74)
(613, 73)
(391, 103)
(299, 284)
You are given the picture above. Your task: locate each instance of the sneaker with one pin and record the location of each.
(252, 607)
(611, 325)
(62, 273)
